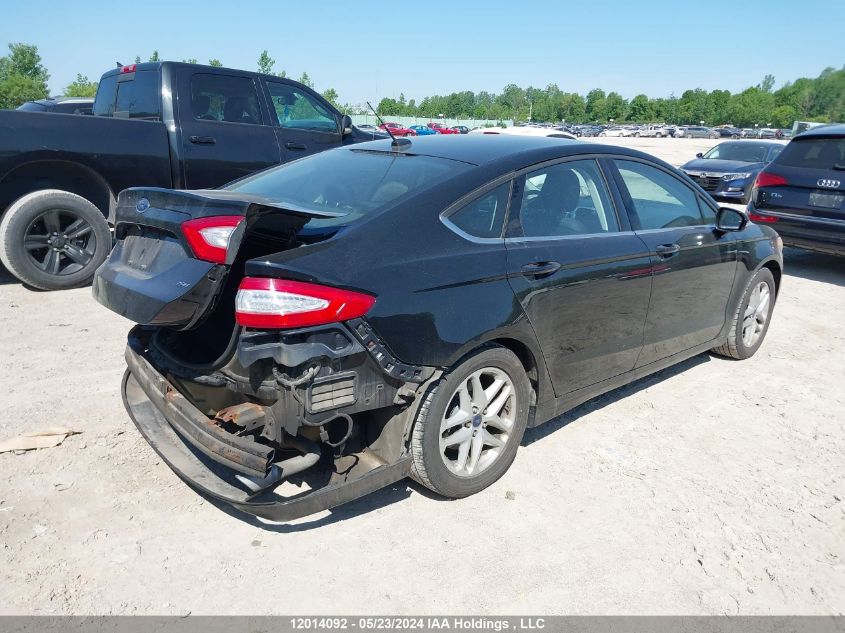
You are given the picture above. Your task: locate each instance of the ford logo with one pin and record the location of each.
(828, 183)
(143, 205)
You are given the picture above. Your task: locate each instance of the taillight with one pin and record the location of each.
(209, 237)
(128, 69)
(761, 217)
(281, 303)
(765, 179)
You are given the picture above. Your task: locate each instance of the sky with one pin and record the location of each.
(374, 49)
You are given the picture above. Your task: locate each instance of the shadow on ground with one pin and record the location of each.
(814, 266)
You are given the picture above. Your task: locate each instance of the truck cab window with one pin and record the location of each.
(223, 98)
(295, 108)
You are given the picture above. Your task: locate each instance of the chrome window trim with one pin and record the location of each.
(473, 195)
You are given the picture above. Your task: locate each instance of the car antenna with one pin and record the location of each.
(397, 142)
(119, 65)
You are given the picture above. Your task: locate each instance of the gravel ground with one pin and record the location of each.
(712, 487)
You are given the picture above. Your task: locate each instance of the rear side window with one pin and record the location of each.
(817, 153)
(485, 216)
(566, 199)
(224, 98)
(660, 200)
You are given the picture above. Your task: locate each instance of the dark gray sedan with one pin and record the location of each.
(728, 170)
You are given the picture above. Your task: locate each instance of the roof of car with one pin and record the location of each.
(834, 129)
(483, 149)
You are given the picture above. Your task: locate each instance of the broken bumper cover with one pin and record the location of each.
(170, 423)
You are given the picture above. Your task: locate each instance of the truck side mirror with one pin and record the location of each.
(346, 124)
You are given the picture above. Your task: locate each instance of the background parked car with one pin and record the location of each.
(697, 131)
(801, 193)
(423, 130)
(729, 169)
(396, 129)
(442, 128)
(60, 175)
(615, 131)
(59, 105)
(726, 131)
(463, 129)
(524, 130)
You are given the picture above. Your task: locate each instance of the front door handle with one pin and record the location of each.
(667, 250)
(203, 140)
(291, 145)
(540, 269)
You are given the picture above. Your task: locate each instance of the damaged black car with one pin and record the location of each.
(409, 308)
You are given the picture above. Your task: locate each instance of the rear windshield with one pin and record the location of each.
(356, 182)
(135, 96)
(817, 153)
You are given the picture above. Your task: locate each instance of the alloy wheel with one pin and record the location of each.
(59, 242)
(478, 421)
(756, 314)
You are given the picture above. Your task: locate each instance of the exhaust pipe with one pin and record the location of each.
(285, 468)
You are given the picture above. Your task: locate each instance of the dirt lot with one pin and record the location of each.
(712, 487)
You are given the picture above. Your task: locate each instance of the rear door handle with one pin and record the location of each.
(203, 140)
(291, 145)
(667, 250)
(540, 269)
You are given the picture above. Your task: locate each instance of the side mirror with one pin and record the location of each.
(699, 155)
(346, 124)
(728, 219)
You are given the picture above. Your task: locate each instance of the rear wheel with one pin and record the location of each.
(471, 423)
(751, 318)
(53, 240)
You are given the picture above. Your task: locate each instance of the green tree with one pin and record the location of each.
(306, 80)
(768, 83)
(388, 107)
(266, 63)
(137, 59)
(191, 60)
(616, 106)
(81, 87)
(330, 95)
(596, 108)
(640, 109)
(22, 76)
(155, 57)
(215, 62)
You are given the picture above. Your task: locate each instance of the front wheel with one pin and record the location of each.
(471, 423)
(751, 318)
(53, 240)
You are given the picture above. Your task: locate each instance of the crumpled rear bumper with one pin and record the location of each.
(145, 395)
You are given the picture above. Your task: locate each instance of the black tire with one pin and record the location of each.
(70, 261)
(428, 466)
(734, 347)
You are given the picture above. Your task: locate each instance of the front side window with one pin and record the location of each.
(224, 98)
(484, 217)
(566, 199)
(660, 200)
(295, 108)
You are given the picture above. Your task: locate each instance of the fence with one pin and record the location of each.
(361, 119)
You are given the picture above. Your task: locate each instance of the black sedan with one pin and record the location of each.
(801, 193)
(728, 170)
(411, 307)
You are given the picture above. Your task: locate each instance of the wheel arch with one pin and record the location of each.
(57, 174)
(776, 271)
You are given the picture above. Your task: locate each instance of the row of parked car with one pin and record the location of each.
(678, 131)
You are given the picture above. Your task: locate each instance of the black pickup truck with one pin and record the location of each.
(162, 124)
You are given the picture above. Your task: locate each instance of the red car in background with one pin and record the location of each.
(397, 130)
(442, 128)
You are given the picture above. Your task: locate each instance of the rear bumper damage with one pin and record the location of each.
(213, 461)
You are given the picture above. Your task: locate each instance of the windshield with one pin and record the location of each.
(354, 182)
(744, 152)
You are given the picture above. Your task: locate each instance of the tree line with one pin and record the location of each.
(24, 78)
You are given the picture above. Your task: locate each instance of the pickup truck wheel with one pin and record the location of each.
(53, 240)
(471, 423)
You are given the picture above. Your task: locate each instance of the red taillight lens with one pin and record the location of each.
(209, 237)
(128, 69)
(760, 217)
(280, 303)
(765, 179)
